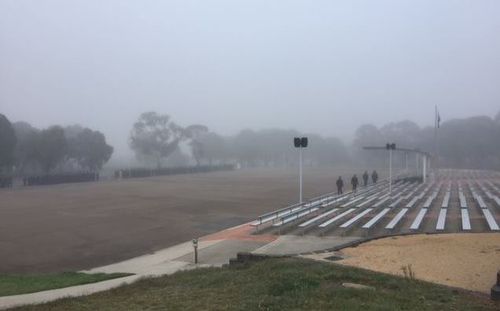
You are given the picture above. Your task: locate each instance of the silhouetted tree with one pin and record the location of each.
(89, 149)
(155, 136)
(51, 148)
(214, 147)
(7, 144)
(25, 152)
(194, 133)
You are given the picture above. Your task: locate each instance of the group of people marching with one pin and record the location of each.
(355, 181)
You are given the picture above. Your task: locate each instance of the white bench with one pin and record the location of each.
(375, 219)
(347, 204)
(396, 219)
(480, 201)
(497, 200)
(441, 219)
(277, 215)
(295, 217)
(429, 200)
(313, 220)
(412, 202)
(368, 200)
(465, 219)
(446, 200)
(381, 202)
(490, 220)
(356, 218)
(395, 203)
(330, 221)
(418, 220)
(463, 201)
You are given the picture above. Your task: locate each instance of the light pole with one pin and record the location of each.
(390, 147)
(300, 142)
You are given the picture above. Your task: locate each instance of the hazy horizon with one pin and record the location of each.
(323, 67)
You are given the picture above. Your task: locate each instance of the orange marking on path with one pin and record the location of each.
(242, 233)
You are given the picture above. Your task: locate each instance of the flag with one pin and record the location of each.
(437, 119)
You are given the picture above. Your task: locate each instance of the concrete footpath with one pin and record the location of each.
(214, 250)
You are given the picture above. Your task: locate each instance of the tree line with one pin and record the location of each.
(26, 150)
(159, 142)
(155, 138)
(472, 142)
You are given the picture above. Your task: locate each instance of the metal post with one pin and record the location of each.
(417, 164)
(195, 246)
(300, 175)
(390, 172)
(424, 168)
(406, 162)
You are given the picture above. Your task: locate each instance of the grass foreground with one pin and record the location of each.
(276, 284)
(24, 284)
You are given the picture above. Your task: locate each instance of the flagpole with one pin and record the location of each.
(436, 152)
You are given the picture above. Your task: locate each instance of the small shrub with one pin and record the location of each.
(408, 272)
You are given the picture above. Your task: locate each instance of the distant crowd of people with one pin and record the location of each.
(5, 182)
(60, 179)
(145, 172)
(355, 181)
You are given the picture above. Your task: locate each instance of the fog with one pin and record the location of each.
(314, 66)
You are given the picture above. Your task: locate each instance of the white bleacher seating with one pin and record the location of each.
(396, 219)
(418, 220)
(376, 218)
(330, 221)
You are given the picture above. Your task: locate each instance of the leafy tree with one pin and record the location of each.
(194, 133)
(155, 136)
(89, 149)
(214, 147)
(51, 148)
(72, 131)
(25, 153)
(404, 133)
(7, 143)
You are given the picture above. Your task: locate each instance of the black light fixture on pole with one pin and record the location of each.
(300, 142)
(390, 147)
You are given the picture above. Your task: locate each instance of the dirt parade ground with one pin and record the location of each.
(80, 226)
(468, 261)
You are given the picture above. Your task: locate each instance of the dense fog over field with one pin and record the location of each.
(324, 67)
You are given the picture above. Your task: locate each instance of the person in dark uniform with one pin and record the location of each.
(354, 183)
(365, 178)
(374, 177)
(340, 185)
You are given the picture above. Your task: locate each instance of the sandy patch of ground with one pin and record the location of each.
(469, 261)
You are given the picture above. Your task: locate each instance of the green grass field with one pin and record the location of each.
(276, 284)
(23, 284)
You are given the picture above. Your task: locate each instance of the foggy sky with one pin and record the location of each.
(316, 66)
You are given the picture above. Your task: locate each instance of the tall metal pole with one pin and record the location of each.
(424, 168)
(417, 164)
(390, 172)
(300, 175)
(406, 162)
(436, 144)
